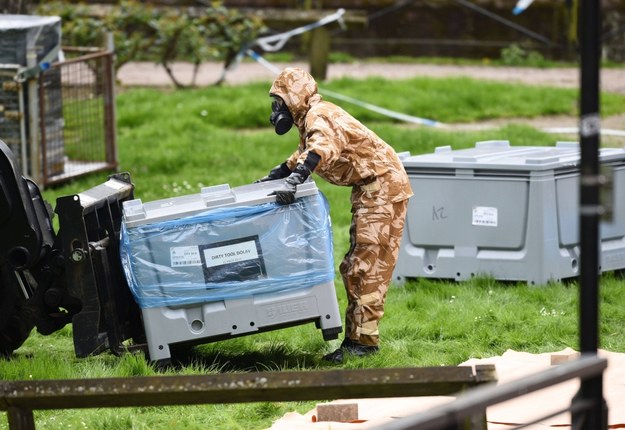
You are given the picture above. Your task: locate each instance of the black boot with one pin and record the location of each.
(350, 347)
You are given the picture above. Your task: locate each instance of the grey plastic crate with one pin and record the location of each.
(503, 211)
(191, 316)
(20, 34)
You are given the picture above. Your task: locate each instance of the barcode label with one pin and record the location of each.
(485, 216)
(185, 256)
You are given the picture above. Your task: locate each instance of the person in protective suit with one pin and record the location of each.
(342, 151)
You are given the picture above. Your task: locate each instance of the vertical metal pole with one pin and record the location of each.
(34, 171)
(110, 122)
(589, 185)
(590, 207)
(23, 129)
(42, 130)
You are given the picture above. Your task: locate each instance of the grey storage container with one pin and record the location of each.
(20, 33)
(229, 262)
(41, 35)
(503, 211)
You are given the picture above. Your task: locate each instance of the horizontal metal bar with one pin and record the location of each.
(478, 399)
(426, 42)
(238, 388)
(81, 48)
(81, 59)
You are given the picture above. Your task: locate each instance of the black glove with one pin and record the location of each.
(278, 172)
(286, 194)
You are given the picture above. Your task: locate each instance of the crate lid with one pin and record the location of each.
(21, 22)
(500, 155)
(137, 213)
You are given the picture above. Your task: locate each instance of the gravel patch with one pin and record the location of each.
(150, 74)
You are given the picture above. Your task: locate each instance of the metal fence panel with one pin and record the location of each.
(77, 117)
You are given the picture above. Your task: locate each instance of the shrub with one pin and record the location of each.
(143, 32)
(514, 55)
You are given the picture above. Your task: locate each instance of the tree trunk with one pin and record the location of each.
(18, 7)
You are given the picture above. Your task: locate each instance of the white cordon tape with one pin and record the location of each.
(413, 119)
(260, 60)
(521, 5)
(276, 42)
(386, 112)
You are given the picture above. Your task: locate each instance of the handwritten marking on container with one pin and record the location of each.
(438, 213)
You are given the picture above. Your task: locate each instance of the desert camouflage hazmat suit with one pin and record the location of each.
(352, 155)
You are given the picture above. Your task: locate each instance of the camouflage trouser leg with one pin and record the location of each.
(375, 235)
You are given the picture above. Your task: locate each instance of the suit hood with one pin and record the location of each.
(299, 91)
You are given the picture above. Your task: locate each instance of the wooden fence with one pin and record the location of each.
(21, 398)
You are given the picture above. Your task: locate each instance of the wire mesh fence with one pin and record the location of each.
(77, 116)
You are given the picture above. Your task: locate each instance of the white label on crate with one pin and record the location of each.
(228, 254)
(484, 216)
(185, 256)
(236, 260)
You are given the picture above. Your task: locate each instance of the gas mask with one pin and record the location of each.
(280, 117)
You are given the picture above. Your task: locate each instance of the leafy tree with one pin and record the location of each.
(164, 35)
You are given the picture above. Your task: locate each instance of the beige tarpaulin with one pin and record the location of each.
(512, 365)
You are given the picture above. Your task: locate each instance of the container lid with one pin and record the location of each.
(500, 155)
(137, 213)
(20, 22)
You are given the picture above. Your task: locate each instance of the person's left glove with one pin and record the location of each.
(285, 195)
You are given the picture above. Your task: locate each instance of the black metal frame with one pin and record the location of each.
(89, 237)
(74, 276)
(590, 206)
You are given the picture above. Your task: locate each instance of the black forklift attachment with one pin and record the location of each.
(50, 279)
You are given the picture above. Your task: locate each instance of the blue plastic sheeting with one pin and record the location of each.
(229, 253)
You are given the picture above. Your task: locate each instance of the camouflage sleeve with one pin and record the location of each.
(322, 138)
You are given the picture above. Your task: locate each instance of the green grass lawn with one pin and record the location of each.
(173, 143)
